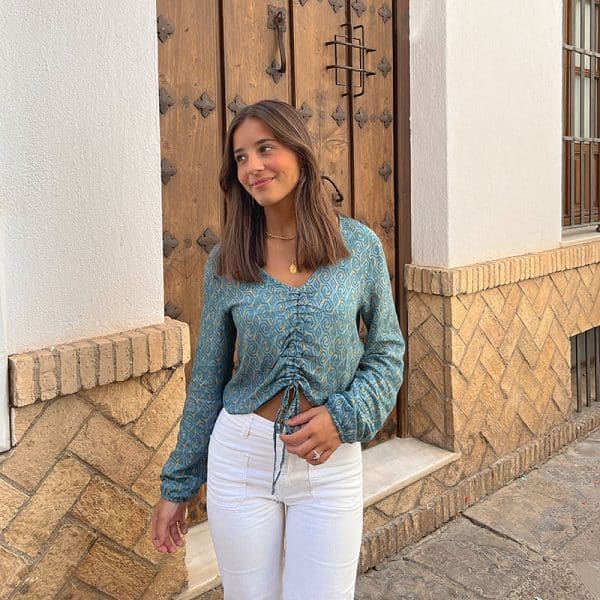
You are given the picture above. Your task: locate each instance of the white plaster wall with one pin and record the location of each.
(429, 219)
(502, 135)
(80, 173)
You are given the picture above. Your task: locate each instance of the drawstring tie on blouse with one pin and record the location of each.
(290, 407)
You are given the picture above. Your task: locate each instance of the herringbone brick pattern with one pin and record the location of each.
(489, 371)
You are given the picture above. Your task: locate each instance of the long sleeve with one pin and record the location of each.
(360, 411)
(185, 470)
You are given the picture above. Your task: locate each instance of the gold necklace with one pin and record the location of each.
(280, 237)
(293, 267)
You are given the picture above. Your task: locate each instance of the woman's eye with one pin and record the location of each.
(266, 148)
(239, 158)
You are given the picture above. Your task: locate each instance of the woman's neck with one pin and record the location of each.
(280, 220)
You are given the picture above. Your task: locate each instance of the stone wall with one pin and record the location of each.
(489, 377)
(92, 423)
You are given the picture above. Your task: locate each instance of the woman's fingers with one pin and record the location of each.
(168, 520)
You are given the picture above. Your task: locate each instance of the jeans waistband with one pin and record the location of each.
(249, 423)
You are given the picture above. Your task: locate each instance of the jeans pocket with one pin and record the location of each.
(227, 475)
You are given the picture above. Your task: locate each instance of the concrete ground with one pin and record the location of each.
(537, 539)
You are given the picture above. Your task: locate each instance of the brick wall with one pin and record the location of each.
(92, 423)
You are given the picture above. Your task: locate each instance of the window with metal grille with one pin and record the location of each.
(585, 367)
(581, 136)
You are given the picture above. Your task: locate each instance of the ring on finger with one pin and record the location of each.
(316, 454)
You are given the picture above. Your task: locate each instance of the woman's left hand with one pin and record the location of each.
(318, 438)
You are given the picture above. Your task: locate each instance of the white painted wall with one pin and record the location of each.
(80, 173)
(501, 92)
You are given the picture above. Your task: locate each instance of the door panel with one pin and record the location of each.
(317, 94)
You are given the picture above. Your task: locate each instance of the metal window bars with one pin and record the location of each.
(347, 43)
(585, 367)
(581, 135)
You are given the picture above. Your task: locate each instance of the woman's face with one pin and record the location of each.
(268, 170)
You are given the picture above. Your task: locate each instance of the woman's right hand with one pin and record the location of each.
(168, 523)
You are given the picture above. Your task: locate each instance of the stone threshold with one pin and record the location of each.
(387, 468)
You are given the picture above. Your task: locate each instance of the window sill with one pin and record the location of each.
(579, 236)
(387, 468)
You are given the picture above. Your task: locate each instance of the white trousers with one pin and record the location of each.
(301, 543)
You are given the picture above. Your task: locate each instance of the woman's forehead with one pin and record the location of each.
(250, 131)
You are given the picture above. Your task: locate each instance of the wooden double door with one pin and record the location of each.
(343, 64)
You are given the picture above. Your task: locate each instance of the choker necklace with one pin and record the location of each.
(280, 237)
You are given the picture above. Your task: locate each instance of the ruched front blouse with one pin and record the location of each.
(291, 338)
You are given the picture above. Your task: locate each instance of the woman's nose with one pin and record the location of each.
(255, 163)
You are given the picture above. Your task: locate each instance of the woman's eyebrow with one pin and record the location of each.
(257, 143)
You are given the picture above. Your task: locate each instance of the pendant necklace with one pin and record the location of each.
(293, 267)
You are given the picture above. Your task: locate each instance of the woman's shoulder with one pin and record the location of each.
(357, 234)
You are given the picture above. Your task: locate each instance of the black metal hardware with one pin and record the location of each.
(305, 112)
(386, 117)
(167, 170)
(387, 223)
(336, 5)
(384, 66)
(276, 20)
(236, 105)
(303, 2)
(172, 311)
(359, 7)
(169, 243)
(208, 240)
(385, 171)
(361, 117)
(337, 197)
(204, 104)
(349, 41)
(385, 13)
(164, 101)
(339, 116)
(165, 29)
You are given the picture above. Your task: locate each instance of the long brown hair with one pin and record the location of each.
(319, 240)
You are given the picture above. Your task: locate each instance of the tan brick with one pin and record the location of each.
(122, 350)
(114, 573)
(170, 580)
(106, 361)
(87, 361)
(123, 401)
(44, 441)
(67, 359)
(185, 339)
(36, 522)
(77, 590)
(172, 344)
(11, 500)
(163, 412)
(11, 569)
(111, 450)
(22, 377)
(154, 381)
(145, 548)
(139, 352)
(22, 418)
(48, 369)
(155, 348)
(147, 485)
(57, 565)
(106, 508)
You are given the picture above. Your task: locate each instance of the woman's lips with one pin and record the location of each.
(262, 182)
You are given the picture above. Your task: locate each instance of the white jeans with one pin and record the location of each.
(316, 514)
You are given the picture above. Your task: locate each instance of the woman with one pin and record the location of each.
(288, 282)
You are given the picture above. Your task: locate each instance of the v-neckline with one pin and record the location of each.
(289, 285)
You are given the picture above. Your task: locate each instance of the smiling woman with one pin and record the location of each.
(278, 441)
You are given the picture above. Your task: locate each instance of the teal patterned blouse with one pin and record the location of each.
(292, 338)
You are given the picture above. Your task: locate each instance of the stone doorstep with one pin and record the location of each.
(387, 468)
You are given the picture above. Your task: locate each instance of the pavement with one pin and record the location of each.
(538, 538)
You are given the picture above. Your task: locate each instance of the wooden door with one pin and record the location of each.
(216, 56)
